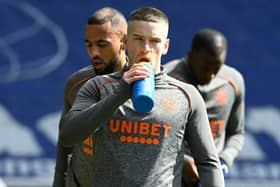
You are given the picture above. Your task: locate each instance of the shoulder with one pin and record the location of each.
(230, 72)
(173, 81)
(233, 76)
(79, 77)
(105, 80)
(76, 80)
(83, 73)
(110, 76)
(173, 65)
(188, 89)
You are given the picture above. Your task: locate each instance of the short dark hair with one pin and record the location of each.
(210, 39)
(149, 14)
(109, 14)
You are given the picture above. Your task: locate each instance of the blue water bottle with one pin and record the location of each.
(143, 92)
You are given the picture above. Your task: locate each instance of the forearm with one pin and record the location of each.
(209, 168)
(233, 146)
(235, 130)
(204, 151)
(80, 124)
(208, 165)
(210, 179)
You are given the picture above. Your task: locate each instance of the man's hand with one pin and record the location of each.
(136, 72)
(224, 167)
(190, 172)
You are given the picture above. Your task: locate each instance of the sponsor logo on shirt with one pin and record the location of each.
(139, 131)
(217, 126)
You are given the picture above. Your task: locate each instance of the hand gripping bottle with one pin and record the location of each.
(143, 92)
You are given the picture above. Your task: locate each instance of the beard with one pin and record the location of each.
(110, 68)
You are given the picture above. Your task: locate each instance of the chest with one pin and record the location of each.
(219, 101)
(166, 121)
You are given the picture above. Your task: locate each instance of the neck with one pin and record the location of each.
(121, 63)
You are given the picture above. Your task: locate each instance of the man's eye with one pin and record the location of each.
(102, 44)
(155, 41)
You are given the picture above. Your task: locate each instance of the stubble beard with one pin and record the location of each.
(110, 68)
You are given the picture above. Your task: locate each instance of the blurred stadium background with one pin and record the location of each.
(42, 42)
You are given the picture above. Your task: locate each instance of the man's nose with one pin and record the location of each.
(95, 51)
(146, 45)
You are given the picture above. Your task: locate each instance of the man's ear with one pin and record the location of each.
(166, 46)
(123, 42)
